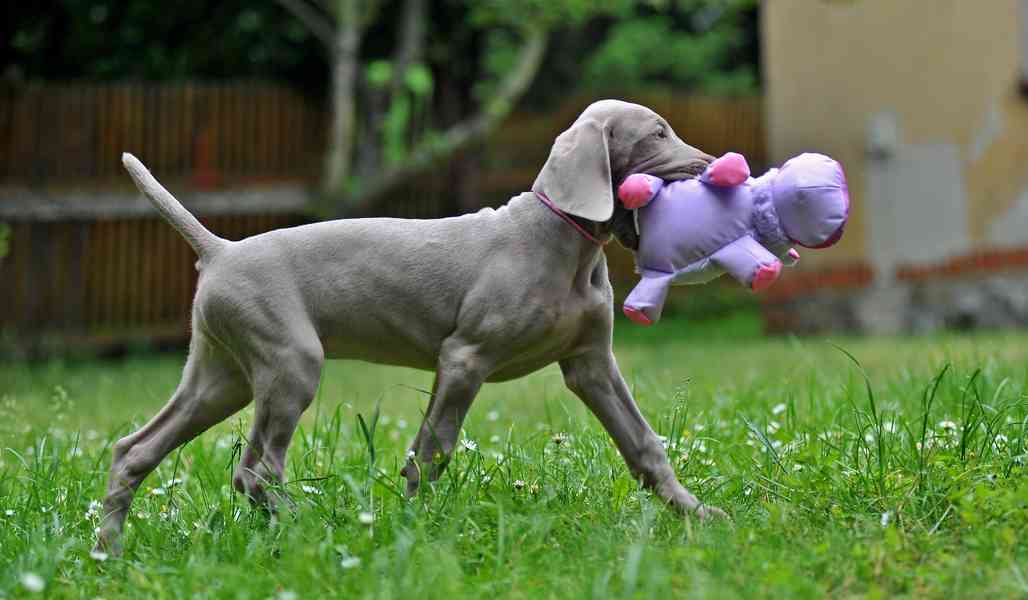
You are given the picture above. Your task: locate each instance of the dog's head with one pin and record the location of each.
(609, 141)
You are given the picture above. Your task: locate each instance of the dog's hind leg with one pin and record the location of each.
(284, 386)
(459, 376)
(212, 388)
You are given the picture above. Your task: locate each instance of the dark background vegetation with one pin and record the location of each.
(703, 46)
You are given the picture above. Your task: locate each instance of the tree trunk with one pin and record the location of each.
(461, 134)
(344, 60)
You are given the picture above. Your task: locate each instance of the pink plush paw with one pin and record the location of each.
(731, 169)
(637, 315)
(766, 275)
(636, 190)
(794, 255)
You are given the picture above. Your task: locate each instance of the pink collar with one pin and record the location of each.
(549, 204)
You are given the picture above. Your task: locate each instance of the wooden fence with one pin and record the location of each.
(68, 133)
(106, 281)
(119, 277)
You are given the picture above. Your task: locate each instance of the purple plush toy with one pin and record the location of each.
(728, 222)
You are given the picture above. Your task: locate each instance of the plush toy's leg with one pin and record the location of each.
(749, 263)
(646, 301)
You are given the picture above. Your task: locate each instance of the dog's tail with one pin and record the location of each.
(205, 243)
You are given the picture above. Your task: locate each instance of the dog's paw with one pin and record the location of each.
(107, 544)
(711, 513)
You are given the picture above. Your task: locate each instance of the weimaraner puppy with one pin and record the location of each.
(488, 296)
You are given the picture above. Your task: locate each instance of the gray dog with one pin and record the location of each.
(489, 296)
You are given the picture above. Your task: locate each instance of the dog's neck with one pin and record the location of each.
(538, 223)
(590, 230)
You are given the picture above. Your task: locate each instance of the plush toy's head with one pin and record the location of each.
(812, 200)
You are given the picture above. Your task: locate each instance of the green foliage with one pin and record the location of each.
(103, 39)
(5, 239)
(911, 485)
(692, 47)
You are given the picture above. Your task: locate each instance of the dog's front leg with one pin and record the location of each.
(595, 378)
(458, 377)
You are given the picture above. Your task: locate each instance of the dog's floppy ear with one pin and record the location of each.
(576, 176)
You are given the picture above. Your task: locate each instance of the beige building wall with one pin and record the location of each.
(938, 76)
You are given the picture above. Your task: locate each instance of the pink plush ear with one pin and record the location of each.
(731, 169)
(638, 189)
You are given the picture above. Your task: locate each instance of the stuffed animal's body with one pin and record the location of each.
(728, 222)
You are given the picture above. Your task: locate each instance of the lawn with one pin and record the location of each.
(910, 485)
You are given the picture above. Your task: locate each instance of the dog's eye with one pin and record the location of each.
(661, 133)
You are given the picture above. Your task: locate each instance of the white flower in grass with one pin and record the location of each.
(32, 582)
(663, 440)
(778, 409)
(948, 426)
(98, 555)
(747, 491)
(869, 437)
(773, 427)
(890, 427)
(94, 509)
(384, 420)
(286, 595)
(9, 513)
(519, 484)
(401, 423)
(350, 562)
(469, 445)
(1000, 441)
(173, 482)
(797, 467)
(492, 415)
(885, 518)
(701, 447)
(157, 491)
(699, 427)
(366, 518)
(310, 489)
(410, 455)
(494, 439)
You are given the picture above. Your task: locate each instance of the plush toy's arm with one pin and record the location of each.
(638, 189)
(727, 171)
(646, 301)
(749, 263)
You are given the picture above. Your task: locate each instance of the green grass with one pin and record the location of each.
(836, 488)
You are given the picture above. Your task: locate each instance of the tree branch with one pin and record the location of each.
(458, 136)
(316, 23)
